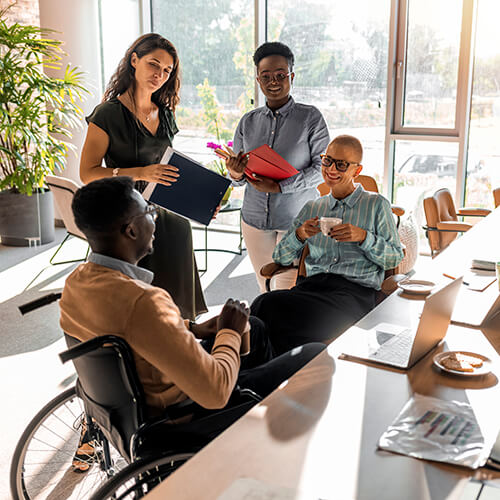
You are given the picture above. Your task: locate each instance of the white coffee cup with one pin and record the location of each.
(326, 223)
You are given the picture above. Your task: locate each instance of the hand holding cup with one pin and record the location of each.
(309, 228)
(328, 223)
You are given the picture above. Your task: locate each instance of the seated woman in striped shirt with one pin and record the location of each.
(345, 268)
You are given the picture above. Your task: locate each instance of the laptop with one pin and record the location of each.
(401, 347)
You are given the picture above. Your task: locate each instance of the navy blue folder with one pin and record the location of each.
(197, 192)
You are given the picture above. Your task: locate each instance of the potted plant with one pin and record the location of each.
(37, 114)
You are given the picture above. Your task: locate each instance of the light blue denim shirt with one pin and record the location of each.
(363, 263)
(297, 132)
(134, 272)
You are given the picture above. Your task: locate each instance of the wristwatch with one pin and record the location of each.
(115, 172)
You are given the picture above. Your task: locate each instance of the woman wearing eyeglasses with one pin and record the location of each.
(298, 132)
(344, 268)
(130, 130)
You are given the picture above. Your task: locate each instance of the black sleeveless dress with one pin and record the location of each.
(132, 145)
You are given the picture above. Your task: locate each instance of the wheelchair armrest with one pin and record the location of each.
(272, 269)
(92, 345)
(241, 395)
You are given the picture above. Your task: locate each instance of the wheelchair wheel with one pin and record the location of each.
(41, 467)
(140, 477)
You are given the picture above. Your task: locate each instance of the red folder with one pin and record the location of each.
(266, 162)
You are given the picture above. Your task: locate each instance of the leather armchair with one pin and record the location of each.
(443, 225)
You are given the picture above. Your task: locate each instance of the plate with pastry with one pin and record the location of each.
(463, 363)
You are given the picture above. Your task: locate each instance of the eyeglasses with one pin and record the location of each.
(269, 77)
(340, 165)
(150, 210)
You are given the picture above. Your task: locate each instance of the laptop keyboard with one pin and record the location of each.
(396, 350)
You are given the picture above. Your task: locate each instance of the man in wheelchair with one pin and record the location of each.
(345, 265)
(176, 360)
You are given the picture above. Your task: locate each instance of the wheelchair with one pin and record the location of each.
(132, 451)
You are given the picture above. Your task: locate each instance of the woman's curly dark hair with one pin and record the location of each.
(123, 79)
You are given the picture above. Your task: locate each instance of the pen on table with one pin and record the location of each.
(466, 283)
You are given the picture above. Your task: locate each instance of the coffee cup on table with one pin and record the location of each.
(327, 223)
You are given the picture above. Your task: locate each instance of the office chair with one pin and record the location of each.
(441, 216)
(63, 190)
(496, 197)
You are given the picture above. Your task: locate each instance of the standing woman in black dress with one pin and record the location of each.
(130, 130)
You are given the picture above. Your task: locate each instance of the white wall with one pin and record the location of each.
(78, 24)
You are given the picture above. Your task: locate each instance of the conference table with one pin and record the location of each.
(316, 436)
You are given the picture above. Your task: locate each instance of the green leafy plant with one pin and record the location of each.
(212, 115)
(37, 112)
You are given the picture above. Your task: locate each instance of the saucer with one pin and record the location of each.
(417, 287)
(482, 370)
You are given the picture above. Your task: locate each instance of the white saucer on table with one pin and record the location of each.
(481, 370)
(417, 287)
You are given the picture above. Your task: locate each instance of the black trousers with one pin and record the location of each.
(261, 370)
(318, 308)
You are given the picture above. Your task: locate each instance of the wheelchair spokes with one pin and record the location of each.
(43, 460)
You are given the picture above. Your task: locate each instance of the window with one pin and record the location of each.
(395, 73)
(116, 37)
(215, 42)
(432, 54)
(341, 65)
(483, 166)
(420, 169)
(427, 135)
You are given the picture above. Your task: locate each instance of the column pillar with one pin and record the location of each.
(78, 27)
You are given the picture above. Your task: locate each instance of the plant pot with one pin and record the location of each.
(26, 220)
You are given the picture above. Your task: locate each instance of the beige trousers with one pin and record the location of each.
(260, 245)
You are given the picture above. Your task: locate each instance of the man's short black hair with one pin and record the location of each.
(104, 205)
(274, 49)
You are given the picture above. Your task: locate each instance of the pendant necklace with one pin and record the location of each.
(149, 114)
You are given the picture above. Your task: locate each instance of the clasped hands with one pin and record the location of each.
(341, 232)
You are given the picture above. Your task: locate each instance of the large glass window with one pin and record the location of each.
(343, 56)
(432, 53)
(483, 166)
(116, 37)
(215, 42)
(420, 169)
(341, 64)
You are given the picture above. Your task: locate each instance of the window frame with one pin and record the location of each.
(397, 70)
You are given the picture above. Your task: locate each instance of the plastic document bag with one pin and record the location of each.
(432, 429)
